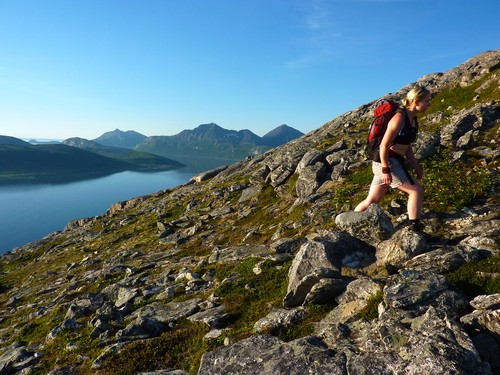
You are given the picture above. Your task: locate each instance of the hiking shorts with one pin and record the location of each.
(400, 174)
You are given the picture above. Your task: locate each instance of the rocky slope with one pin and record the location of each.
(261, 268)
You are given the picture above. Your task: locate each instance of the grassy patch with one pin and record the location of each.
(452, 185)
(458, 97)
(250, 297)
(351, 191)
(180, 348)
(477, 278)
(84, 347)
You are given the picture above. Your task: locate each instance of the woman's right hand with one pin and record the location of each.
(386, 178)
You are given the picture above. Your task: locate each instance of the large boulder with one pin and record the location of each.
(401, 247)
(310, 179)
(372, 226)
(268, 355)
(316, 260)
(412, 292)
(484, 321)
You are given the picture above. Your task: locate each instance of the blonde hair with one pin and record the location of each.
(416, 93)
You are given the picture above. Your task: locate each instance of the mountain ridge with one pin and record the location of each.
(210, 141)
(205, 147)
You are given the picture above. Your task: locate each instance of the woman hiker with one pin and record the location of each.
(395, 147)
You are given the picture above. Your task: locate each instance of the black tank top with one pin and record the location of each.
(408, 134)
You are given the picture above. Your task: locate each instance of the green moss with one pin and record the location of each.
(85, 347)
(292, 183)
(477, 278)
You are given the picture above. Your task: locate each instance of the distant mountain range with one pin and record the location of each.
(204, 147)
(207, 141)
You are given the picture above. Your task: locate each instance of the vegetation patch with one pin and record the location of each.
(352, 190)
(180, 348)
(452, 185)
(458, 97)
(478, 277)
(248, 296)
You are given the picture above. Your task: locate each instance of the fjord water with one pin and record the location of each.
(30, 212)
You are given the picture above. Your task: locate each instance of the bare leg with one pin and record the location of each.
(375, 195)
(415, 197)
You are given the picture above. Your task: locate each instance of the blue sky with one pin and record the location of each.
(83, 67)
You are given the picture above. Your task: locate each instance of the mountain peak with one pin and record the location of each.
(281, 135)
(119, 138)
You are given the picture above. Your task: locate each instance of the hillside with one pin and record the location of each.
(6, 140)
(52, 163)
(137, 160)
(260, 267)
(21, 162)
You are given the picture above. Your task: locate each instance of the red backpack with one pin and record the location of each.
(384, 111)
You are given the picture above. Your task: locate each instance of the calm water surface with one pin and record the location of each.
(30, 212)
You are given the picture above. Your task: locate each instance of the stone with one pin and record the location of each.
(287, 245)
(125, 296)
(16, 357)
(237, 253)
(249, 193)
(315, 260)
(402, 246)
(216, 317)
(279, 319)
(486, 316)
(414, 291)
(208, 174)
(153, 319)
(372, 226)
(437, 345)
(325, 291)
(310, 179)
(310, 158)
(442, 260)
(268, 355)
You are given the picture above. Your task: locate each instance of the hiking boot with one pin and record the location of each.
(416, 225)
